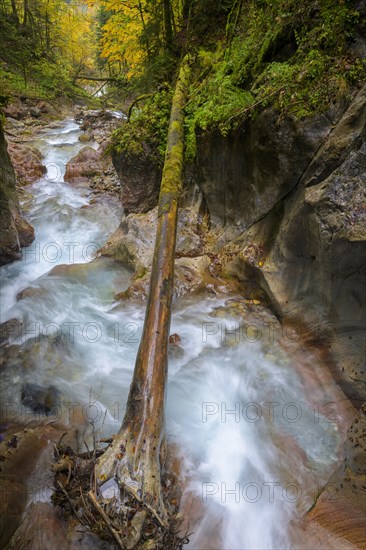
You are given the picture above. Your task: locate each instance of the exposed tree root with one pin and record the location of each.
(115, 516)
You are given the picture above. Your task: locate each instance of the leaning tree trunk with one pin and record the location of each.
(135, 458)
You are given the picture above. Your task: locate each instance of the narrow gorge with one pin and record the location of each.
(240, 422)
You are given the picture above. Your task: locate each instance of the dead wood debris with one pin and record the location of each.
(119, 519)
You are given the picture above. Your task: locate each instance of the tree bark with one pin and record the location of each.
(136, 456)
(25, 13)
(168, 24)
(95, 78)
(145, 35)
(15, 12)
(186, 10)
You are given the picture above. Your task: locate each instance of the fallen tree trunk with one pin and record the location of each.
(135, 459)
(96, 78)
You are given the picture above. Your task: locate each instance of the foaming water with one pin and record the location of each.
(255, 454)
(69, 227)
(254, 449)
(117, 114)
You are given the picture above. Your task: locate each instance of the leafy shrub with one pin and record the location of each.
(293, 55)
(146, 131)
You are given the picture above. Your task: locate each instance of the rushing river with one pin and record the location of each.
(255, 446)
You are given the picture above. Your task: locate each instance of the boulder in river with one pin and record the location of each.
(90, 167)
(27, 162)
(93, 115)
(133, 242)
(99, 122)
(11, 328)
(86, 136)
(16, 110)
(35, 112)
(26, 477)
(84, 165)
(31, 292)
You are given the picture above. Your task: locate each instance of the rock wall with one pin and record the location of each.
(140, 182)
(291, 205)
(245, 175)
(337, 519)
(15, 231)
(317, 266)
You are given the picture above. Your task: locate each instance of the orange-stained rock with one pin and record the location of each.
(27, 162)
(336, 524)
(25, 476)
(338, 519)
(88, 163)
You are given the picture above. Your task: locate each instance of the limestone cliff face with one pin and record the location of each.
(291, 200)
(15, 231)
(317, 266)
(244, 175)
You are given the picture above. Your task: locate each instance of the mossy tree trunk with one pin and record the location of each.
(136, 456)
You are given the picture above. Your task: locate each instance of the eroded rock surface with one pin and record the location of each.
(309, 253)
(27, 162)
(245, 175)
(26, 457)
(338, 517)
(15, 231)
(87, 163)
(133, 241)
(140, 182)
(133, 245)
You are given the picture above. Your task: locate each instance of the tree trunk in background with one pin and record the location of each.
(135, 457)
(145, 35)
(15, 12)
(186, 10)
(25, 13)
(168, 24)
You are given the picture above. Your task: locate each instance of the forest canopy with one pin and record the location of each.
(44, 45)
(298, 56)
